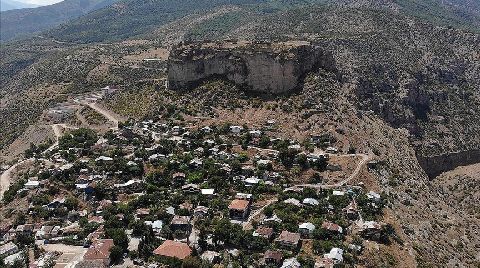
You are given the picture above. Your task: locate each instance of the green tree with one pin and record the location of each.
(119, 237)
(116, 254)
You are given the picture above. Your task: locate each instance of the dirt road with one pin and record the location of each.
(248, 224)
(6, 177)
(363, 162)
(109, 115)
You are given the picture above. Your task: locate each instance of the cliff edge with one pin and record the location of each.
(261, 67)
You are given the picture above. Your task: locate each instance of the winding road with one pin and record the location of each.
(365, 159)
(6, 177)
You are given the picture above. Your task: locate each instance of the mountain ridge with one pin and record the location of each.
(26, 22)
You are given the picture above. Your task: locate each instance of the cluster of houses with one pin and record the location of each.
(173, 179)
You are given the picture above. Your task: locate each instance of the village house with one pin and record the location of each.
(373, 196)
(288, 240)
(200, 212)
(32, 184)
(8, 249)
(210, 256)
(335, 254)
(272, 257)
(208, 192)
(99, 251)
(293, 201)
(181, 223)
(291, 263)
(306, 229)
(236, 129)
(191, 188)
(173, 249)
(25, 229)
(351, 211)
(130, 186)
(310, 201)
(264, 232)
(178, 178)
(156, 225)
(332, 227)
(370, 229)
(47, 232)
(239, 209)
(142, 213)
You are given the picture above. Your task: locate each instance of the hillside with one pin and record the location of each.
(407, 86)
(24, 22)
(10, 4)
(134, 18)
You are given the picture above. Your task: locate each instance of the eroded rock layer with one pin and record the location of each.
(261, 67)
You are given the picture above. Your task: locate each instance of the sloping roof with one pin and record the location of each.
(263, 232)
(274, 255)
(289, 238)
(180, 220)
(99, 250)
(238, 204)
(174, 249)
(307, 225)
(332, 226)
(291, 263)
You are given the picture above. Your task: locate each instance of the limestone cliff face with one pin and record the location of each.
(262, 67)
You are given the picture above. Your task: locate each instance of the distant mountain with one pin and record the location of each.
(136, 17)
(133, 17)
(22, 22)
(9, 5)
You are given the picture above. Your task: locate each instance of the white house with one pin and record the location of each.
(335, 254)
(32, 184)
(310, 201)
(306, 228)
(236, 129)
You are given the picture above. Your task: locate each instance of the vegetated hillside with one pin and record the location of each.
(413, 74)
(396, 71)
(10, 4)
(129, 18)
(134, 17)
(23, 22)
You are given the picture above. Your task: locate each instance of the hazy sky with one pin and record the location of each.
(40, 2)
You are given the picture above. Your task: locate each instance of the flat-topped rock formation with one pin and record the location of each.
(261, 67)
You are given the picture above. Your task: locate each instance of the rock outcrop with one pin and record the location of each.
(261, 67)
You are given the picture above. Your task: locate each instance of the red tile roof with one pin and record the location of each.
(238, 204)
(174, 249)
(99, 250)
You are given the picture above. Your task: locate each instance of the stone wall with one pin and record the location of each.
(262, 67)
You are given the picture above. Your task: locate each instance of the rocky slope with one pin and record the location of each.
(261, 67)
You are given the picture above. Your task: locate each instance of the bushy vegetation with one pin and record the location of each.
(79, 138)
